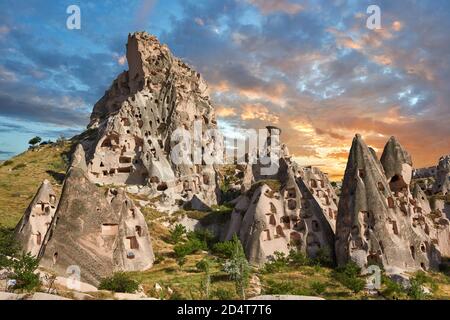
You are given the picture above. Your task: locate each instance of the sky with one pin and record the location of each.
(310, 67)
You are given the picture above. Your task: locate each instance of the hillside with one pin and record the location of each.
(21, 175)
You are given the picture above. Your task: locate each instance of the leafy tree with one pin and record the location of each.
(35, 141)
(205, 266)
(177, 233)
(119, 282)
(8, 247)
(24, 268)
(238, 268)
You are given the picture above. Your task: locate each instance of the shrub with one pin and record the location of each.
(277, 263)
(323, 258)
(34, 141)
(280, 287)
(392, 289)
(223, 249)
(298, 258)
(119, 282)
(222, 294)
(318, 287)
(177, 233)
(416, 290)
(24, 268)
(191, 246)
(349, 276)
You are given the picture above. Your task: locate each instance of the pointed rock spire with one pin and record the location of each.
(31, 230)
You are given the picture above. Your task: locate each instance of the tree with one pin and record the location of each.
(24, 268)
(34, 141)
(8, 247)
(205, 266)
(238, 268)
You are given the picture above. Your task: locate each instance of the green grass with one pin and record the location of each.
(21, 176)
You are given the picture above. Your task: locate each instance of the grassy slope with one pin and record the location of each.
(20, 179)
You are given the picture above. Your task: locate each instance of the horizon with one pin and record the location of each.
(316, 72)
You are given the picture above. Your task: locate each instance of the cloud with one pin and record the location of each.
(271, 6)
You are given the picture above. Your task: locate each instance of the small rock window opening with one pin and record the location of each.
(423, 248)
(361, 173)
(130, 255)
(292, 204)
(394, 227)
(330, 213)
(313, 183)
(390, 202)
(133, 243)
(381, 187)
(286, 221)
(280, 232)
(162, 186)
(154, 179)
(38, 238)
(124, 160)
(206, 179)
(132, 213)
(397, 184)
(296, 239)
(272, 220)
(422, 265)
(139, 230)
(273, 209)
(413, 252)
(315, 226)
(124, 170)
(55, 257)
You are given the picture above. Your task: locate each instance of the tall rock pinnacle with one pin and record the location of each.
(135, 120)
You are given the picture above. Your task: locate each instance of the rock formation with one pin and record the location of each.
(379, 220)
(442, 183)
(98, 230)
(31, 230)
(293, 209)
(134, 126)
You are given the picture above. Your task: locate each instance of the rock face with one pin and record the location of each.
(98, 230)
(31, 230)
(442, 183)
(294, 209)
(134, 123)
(380, 221)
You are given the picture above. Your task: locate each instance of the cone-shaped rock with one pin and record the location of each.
(374, 224)
(32, 228)
(99, 231)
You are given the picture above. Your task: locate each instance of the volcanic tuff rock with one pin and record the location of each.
(379, 220)
(294, 209)
(442, 183)
(32, 228)
(100, 231)
(134, 122)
